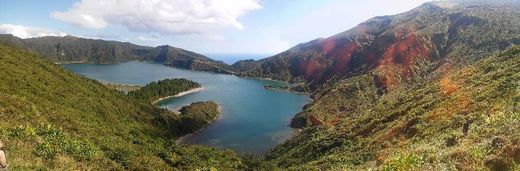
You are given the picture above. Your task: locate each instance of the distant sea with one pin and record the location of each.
(232, 58)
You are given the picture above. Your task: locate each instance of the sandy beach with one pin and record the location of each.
(70, 62)
(180, 94)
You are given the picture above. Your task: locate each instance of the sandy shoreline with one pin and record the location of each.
(180, 94)
(71, 62)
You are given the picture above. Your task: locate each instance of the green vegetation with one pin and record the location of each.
(459, 33)
(464, 118)
(436, 88)
(125, 88)
(162, 89)
(175, 57)
(53, 119)
(196, 116)
(70, 49)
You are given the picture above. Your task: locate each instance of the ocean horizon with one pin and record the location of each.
(232, 58)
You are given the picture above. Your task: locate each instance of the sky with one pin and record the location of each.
(204, 26)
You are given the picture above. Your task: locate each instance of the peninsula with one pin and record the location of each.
(163, 89)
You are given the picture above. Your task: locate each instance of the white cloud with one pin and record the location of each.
(27, 32)
(147, 38)
(161, 16)
(341, 15)
(261, 40)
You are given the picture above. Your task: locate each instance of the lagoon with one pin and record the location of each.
(252, 120)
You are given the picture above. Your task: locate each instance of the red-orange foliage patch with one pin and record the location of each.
(328, 45)
(311, 69)
(448, 86)
(338, 52)
(315, 121)
(392, 55)
(343, 56)
(460, 105)
(397, 58)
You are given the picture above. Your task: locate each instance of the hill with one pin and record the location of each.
(435, 88)
(175, 57)
(70, 49)
(445, 33)
(458, 119)
(54, 119)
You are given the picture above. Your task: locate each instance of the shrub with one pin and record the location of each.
(403, 162)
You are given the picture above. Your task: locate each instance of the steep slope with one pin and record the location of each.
(244, 65)
(74, 49)
(14, 41)
(180, 58)
(439, 32)
(54, 119)
(71, 49)
(436, 88)
(464, 118)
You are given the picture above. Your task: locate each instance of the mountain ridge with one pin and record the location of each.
(439, 120)
(434, 88)
(382, 43)
(70, 49)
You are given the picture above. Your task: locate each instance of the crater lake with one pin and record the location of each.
(253, 119)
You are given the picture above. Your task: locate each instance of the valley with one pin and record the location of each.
(252, 119)
(433, 88)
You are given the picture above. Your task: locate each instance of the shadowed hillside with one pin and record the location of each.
(71, 49)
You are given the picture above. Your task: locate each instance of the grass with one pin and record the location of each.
(53, 119)
(441, 120)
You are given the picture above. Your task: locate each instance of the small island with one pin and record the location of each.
(187, 120)
(196, 116)
(160, 90)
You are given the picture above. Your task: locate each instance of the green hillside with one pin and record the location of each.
(54, 119)
(465, 118)
(434, 88)
(70, 49)
(180, 58)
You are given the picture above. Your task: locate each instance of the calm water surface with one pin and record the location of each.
(232, 58)
(253, 119)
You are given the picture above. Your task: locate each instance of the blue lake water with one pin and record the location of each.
(253, 119)
(232, 58)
